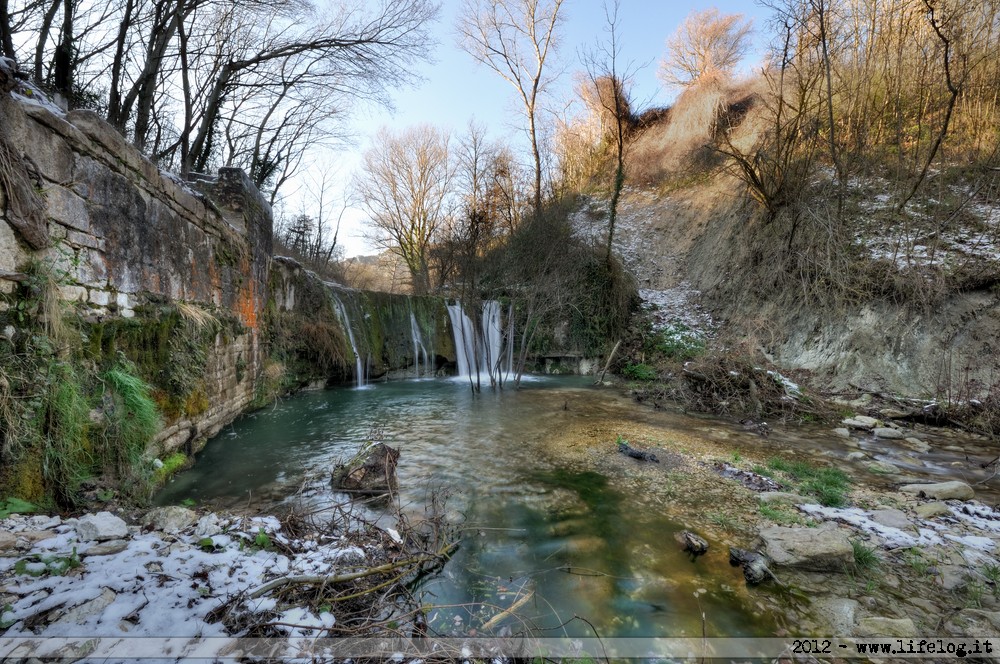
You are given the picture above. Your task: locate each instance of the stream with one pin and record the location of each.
(545, 504)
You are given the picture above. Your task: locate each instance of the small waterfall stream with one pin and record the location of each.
(359, 365)
(419, 350)
(488, 350)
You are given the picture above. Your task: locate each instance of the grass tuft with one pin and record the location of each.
(865, 557)
(132, 419)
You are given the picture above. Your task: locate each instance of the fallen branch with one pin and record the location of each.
(312, 579)
(495, 620)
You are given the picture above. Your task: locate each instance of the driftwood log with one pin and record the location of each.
(755, 569)
(692, 543)
(630, 451)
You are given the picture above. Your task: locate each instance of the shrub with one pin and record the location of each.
(132, 419)
(642, 372)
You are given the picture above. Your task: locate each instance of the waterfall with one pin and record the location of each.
(359, 365)
(419, 350)
(490, 351)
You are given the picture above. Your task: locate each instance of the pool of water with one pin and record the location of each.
(579, 541)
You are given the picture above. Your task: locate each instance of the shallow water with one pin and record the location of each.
(548, 507)
(583, 542)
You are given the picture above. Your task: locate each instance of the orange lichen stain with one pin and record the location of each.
(247, 306)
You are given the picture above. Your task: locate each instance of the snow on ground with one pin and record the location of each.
(153, 583)
(669, 302)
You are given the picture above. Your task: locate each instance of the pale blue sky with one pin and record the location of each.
(455, 89)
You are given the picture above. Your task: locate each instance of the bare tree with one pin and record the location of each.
(404, 186)
(609, 97)
(515, 38)
(6, 32)
(707, 42)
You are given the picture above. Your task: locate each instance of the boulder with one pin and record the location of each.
(692, 543)
(171, 519)
(954, 490)
(843, 432)
(892, 518)
(888, 433)
(878, 627)
(208, 525)
(782, 498)
(822, 549)
(100, 527)
(931, 510)
(371, 471)
(7, 541)
(861, 422)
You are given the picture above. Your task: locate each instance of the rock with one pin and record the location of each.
(952, 576)
(692, 543)
(641, 455)
(7, 541)
(931, 510)
(856, 456)
(371, 471)
(781, 498)
(899, 628)
(842, 432)
(93, 607)
(108, 548)
(893, 518)
(207, 526)
(172, 519)
(974, 623)
(836, 614)
(954, 490)
(917, 444)
(888, 433)
(882, 468)
(101, 526)
(861, 422)
(822, 549)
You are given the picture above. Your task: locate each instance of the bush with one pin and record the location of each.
(642, 372)
(132, 419)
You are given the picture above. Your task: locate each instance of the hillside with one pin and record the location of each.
(865, 300)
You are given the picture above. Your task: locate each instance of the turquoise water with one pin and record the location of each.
(563, 532)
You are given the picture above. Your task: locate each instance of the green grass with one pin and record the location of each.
(828, 485)
(866, 558)
(16, 506)
(132, 419)
(679, 342)
(781, 516)
(723, 521)
(66, 462)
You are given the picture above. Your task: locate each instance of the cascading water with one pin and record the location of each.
(419, 350)
(482, 351)
(359, 365)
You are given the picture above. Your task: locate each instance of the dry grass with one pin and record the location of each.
(195, 314)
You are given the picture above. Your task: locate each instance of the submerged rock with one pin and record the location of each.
(953, 490)
(371, 471)
(822, 549)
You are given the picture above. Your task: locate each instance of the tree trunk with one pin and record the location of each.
(6, 38)
(63, 75)
(43, 34)
(117, 66)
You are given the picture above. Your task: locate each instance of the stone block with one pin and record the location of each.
(171, 519)
(47, 149)
(85, 240)
(12, 256)
(92, 269)
(100, 298)
(73, 293)
(67, 208)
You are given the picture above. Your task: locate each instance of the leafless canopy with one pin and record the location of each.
(707, 42)
(404, 186)
(515, 38)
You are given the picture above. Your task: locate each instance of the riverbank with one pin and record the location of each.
(188, 575)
